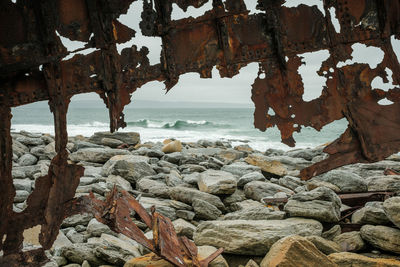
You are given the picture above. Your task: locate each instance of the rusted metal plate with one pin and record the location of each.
(33, 68)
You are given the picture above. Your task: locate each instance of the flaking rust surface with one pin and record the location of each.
(34, 67)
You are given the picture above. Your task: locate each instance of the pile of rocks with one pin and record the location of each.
(215, 195)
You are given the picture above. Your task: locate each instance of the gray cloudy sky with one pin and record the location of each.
(238, 89)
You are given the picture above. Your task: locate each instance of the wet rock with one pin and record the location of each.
(371, 213)
(130, 167)
(294, 251)
(130, 138)
(171, 147)
(217, 182)
(240, 168)
(255, 213)
(321, 204)
(389, 183)
(27, 160)
(187, 195)
(250, 177)
(346, 181)
(350, 241)
(382, 237)
(392, 210)
(347, 259)
(205, 210)
(98, 155)
(267, 164)
(251, 237)
(257, 190)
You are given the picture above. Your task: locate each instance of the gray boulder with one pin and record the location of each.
(27, 160)
(96, 228)
(252, 237)
(77, 253)
(130, 167)
(384, 183)
(392, 210)
(350, 241)
(250, 177)
(346, 181)
(155, 188)
(205, 210)
(255, 213)
(257, 190)
(291, 182)
(187, 195)
(240, 168)
(382, 237)
(217, 182)
(98, 155)
(371, 213)
(30, 141)
(184, 228)
(321, 204)
(130, 138)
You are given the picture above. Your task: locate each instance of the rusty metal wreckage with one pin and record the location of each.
(229, 37)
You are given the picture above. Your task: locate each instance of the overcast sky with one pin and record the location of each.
(238, 89)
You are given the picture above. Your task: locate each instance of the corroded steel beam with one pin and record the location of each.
(33, 67)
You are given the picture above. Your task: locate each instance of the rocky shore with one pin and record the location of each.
(219, 196)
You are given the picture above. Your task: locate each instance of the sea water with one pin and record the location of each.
(186, 124)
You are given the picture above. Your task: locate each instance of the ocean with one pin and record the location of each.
(186, 123)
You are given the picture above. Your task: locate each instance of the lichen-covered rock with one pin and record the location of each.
(252, 237)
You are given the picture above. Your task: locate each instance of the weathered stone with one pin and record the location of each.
(23, 184)
(382, 237)
(99, 155)
(245, 204)
(162, 206)
(257, 190)
(191, 178)
(205, 210)
(290, 182)
(27, 160)
(345, 180)
(392, 209)
(347, 259)
(61, 241)
(187, 195)
(371, 213)
(79, 252)
(185, 214)
(173, 158)
(147, 261)
(251, 263)
(30, 141)
(96, 228)
(217, 182)
(18, 148)
(171, 147)
(156, 188)
(180, 205)
(130, 167)
(325, 246)
(240, 168)
(255, 213)
(267, 165)
(252, 237)
(250, 177)
(237, 196)
(294, 251)
(190, 168)
(321, 204)
(130, 138)
(350, 241)
(75, 237)
(20, 196)
(184, 228)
